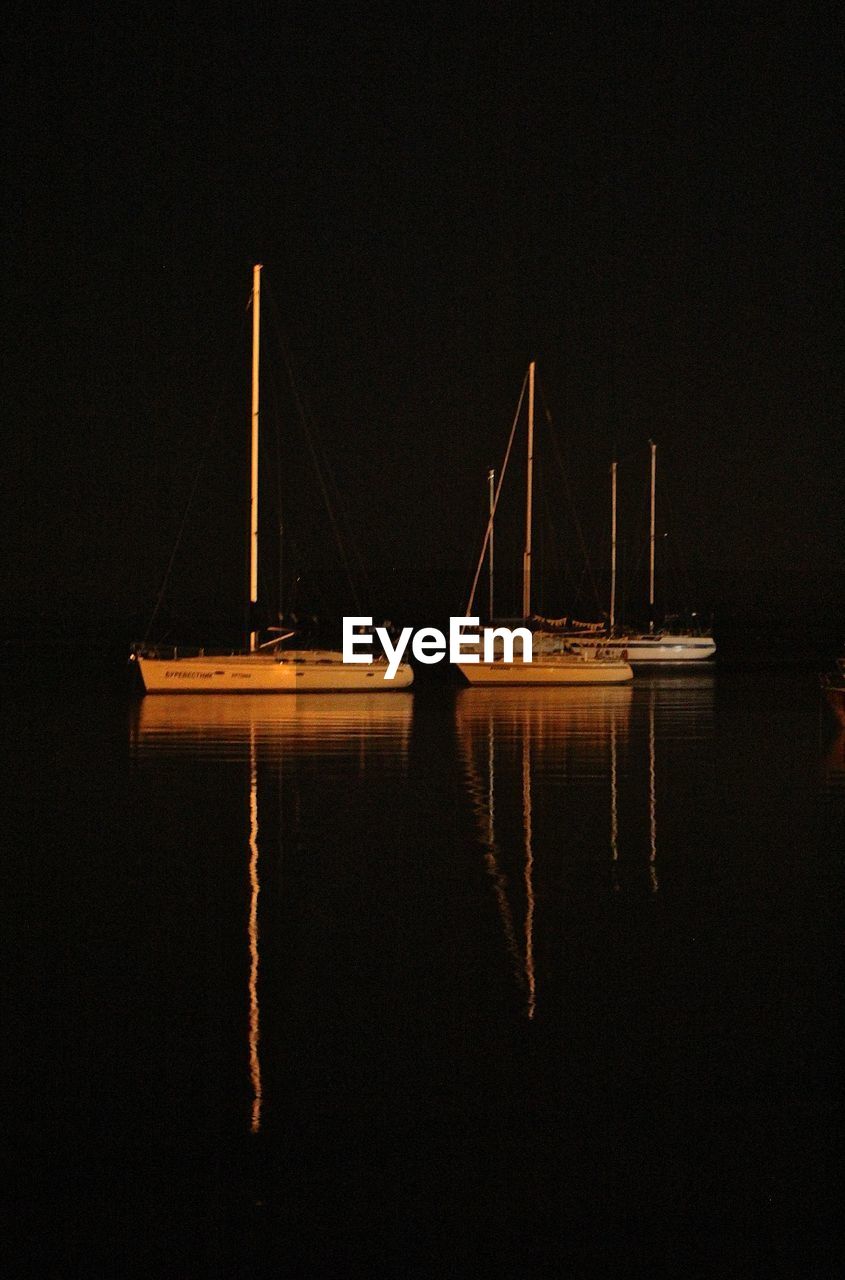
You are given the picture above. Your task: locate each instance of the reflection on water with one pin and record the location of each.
(529, 880)
(593, 755)
(652, 796)
(319, 723)
(254, 886)
(358, 728)
(500, 982)
(508, 730)
(562, 784)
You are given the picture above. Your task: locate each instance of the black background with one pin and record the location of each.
(642, 198)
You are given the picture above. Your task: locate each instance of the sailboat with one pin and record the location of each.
(639, 647)
(568, 666)
(266, 667)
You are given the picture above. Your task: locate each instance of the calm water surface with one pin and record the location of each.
(507, 982)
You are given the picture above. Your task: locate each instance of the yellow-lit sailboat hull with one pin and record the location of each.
(297, 671)
(548, 671)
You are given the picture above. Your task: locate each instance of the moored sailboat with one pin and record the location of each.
(661, 645)
(566, 666)
(282, 671)
(267, 667)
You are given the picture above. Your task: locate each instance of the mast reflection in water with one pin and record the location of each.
(489, 981)
(566, 753)
(271, 731)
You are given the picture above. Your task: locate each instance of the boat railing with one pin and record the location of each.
(140, 649)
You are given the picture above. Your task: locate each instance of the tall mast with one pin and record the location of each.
(491, 481)
(526, 559)
(253, 496)
(612, 546)
(653, 448)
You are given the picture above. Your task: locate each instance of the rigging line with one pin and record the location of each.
(492, 516)
(264, 574)
(292, 551)
(580, 593)
(281, 532)
(334, 501)
(572, 507)
(303, 420)
(204, 454)
(359, 563)
(640, 521)
(560, 566)
(574, 584)
(467, 584)
(280, 516)
(343, 513)
(675, 542)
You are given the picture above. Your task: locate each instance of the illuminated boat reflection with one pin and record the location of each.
(564, 786)
(321, 723)
(341, 733)
(506, 738)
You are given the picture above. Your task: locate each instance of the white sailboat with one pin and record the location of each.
(657, 646)
(567, 666)
(652, 646)
(267, 667)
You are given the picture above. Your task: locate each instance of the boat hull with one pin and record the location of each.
(296, 672)
(650, 649)
(551, 671)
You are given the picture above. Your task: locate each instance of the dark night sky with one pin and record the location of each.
(643, 198)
